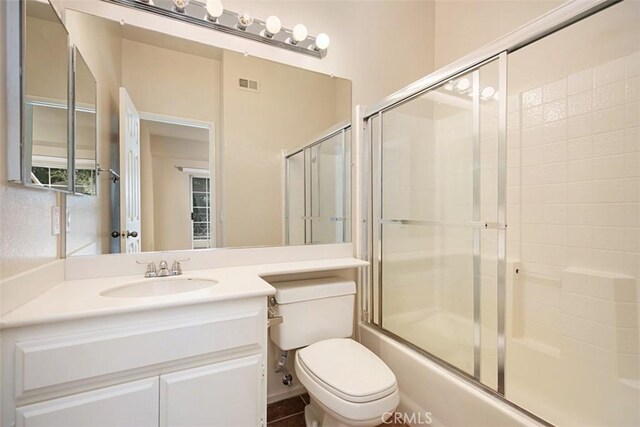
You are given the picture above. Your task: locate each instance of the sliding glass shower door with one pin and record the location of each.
(561, 310)
(437, 162)
(330, 195)
(318, 190)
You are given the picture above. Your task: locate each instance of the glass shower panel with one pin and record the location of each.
(329, 201)
(439, 187)
(574, 222)
(295, 199)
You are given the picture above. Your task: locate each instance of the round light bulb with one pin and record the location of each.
(488, 92)
(244, 20)
(214, 9)
(463, 84)
(273, 25)
(322, 41)
(180, 5)
(300, 33)
(448, 86)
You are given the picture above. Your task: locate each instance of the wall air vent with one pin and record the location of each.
(247, 84)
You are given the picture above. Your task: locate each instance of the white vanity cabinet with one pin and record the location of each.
(200, 365)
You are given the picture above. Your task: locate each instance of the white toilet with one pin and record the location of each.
(348, 384)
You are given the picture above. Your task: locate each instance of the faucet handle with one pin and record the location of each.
(176, 268)
(151, 268)
(163, 269)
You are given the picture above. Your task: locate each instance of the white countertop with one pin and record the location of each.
(77, 299)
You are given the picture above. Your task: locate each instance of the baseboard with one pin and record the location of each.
(293, 391)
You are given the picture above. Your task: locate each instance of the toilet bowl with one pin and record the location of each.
(349, 385)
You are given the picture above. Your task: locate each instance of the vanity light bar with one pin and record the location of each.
(195, 12)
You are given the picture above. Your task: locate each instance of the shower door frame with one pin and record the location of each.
(477, 224)
(557, 19)
(340, 129)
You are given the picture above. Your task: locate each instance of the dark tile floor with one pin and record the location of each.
(290, 413)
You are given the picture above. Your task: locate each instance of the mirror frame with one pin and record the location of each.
(74, 109)
(18, 165)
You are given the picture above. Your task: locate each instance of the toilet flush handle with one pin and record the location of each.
(273, 318)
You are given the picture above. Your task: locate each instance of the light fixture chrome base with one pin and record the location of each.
(195, 13)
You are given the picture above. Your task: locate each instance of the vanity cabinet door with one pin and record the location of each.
(224, 394)
(133, 404)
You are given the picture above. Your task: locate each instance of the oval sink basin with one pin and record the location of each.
(158, 287)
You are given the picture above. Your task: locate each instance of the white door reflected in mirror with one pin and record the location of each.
(130, 180)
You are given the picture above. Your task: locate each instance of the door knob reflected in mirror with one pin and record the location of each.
(116, 234)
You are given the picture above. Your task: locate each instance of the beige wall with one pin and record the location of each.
(461, 26)
(47, 62)
(147, 223)
(171, 83)
(287, 112)
(171, 189)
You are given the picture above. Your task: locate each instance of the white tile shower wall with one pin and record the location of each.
(574, 222)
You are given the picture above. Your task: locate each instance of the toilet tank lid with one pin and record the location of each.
(311, 289)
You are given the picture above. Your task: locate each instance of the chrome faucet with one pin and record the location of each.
(163, 271)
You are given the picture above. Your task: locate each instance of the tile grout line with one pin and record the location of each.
(285, 417)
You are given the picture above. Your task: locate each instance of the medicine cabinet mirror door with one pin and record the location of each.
(46, 159)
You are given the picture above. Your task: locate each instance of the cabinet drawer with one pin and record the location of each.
(65, 359)
(132, 404)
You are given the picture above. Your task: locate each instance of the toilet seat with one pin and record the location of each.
(348, 379)
(348, 369)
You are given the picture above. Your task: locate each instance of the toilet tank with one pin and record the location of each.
(313, 310)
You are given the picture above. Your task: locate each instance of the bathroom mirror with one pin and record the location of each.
(45, 113)
(198, 158)
(85, 127)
